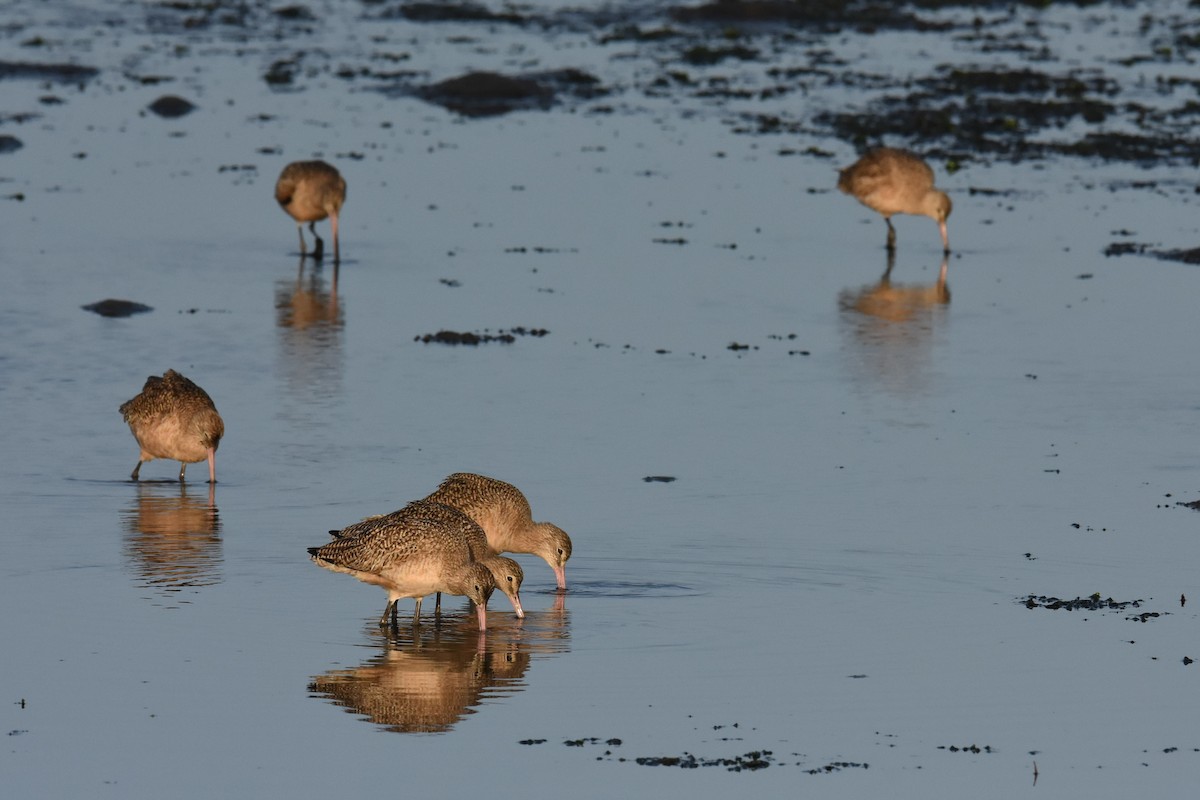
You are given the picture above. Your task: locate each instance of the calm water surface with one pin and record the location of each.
(864, 490)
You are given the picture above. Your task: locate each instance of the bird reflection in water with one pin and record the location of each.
(310, 318)
(173, 536)
(890, 327)
(307, 303)
(426, 679)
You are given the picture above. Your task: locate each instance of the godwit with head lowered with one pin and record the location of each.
(894, 181)
(176, 419)
(421, 549)
(504, 514)
(506, 573)
(310, 191)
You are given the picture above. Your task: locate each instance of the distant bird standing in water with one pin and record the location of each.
(176, 419)
(421, 549)
(892, 181)
(504, 514)
(310, 191)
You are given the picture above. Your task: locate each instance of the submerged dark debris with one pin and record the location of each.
(1093, 602)
(482, 93)
(1190, 255)
(471, 338)
(117, 308)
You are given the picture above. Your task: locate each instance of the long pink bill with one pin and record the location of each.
(481, 614)
(560, 574)
(212, 465)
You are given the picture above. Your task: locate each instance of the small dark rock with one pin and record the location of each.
(117, 308)
(659, 478)
(10, 144)
(171, 106)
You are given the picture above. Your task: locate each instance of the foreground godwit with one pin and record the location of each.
(894, 181)
(506, 573)
(176, 419)
(421, 549)
(504, 514)
(311, 191)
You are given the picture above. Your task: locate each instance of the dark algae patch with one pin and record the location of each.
(472, 338)
(1093, 602)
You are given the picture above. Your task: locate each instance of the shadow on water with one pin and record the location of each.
(428, 677)
(889, 329)
(173, 536)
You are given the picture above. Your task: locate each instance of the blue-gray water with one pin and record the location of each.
(860, 500)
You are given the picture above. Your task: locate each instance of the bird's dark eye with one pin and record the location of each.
(510, 578)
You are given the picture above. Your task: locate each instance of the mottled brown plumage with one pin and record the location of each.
(310, 191)
(421, 549)
(504, 514)
(176, 419)
(506, 572)
(892, 181)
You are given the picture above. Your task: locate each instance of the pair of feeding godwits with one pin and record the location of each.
(886, 180)
(448, 542)
(891, 181)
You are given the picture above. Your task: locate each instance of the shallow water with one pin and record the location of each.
(864, 491)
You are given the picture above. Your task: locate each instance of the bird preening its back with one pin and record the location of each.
(892, 181)
(176, 419)
(310, 191)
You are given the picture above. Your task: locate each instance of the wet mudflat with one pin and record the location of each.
(838, 530)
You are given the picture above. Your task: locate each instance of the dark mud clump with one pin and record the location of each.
(483, 94)
(749, 762)
(60, 73)
(1184, 256)
(1090, 603)
(826, 15)
(171, 106)
(470, 338)
(454, 12)
(659, 478)
(971, 748)
(117, 308)
(9, 144)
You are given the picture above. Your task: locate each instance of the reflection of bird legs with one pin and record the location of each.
(319, 249)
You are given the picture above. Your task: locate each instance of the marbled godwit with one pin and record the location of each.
(506, 572)
(504, 514)
(421, 549)
(894, 181)
(176, 419)
(310, 191)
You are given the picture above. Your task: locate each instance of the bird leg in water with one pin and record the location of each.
(319, 249)
(136, 470)
(182, 467)
(390, 607)
(303, 247)
(891, 242)
(417, 612)
(437, 610)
